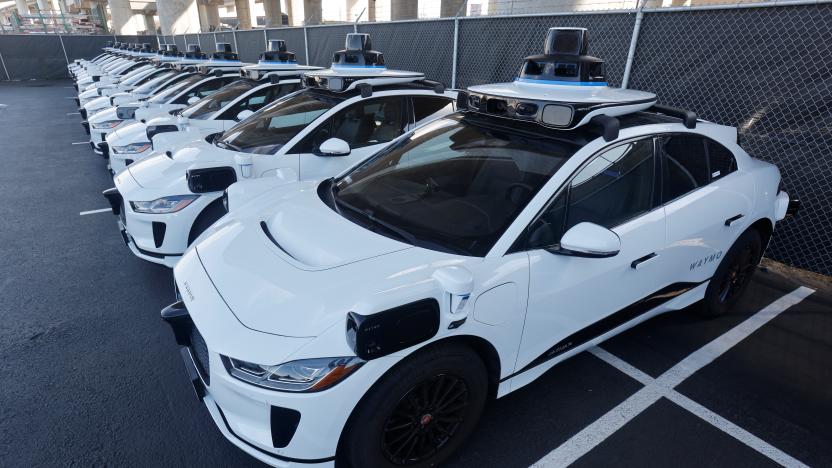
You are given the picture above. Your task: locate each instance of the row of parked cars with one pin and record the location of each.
(363, 258)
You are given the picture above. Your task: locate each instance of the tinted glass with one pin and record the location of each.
(424, 107)
(204, 108)
(614, 187)
(370, 122)
(685, 165)
(721, 160)
(171, 89)
(453, 185)
(256, 101)
(364, 123)
(277, 123)
(146, 88)
(205, 89)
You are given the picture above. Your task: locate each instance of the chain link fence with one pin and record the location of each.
(764, 68)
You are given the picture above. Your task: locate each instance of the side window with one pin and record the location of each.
(721, 160)
(253, 103)
(424, 107)
(614, 187)
(685, 165)
(370, 122)
(364, 123)
(206, 89)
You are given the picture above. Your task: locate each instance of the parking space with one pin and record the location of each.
(91, 376)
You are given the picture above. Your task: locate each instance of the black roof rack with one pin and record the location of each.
(688, 117)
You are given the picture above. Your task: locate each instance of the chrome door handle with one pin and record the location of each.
(731, 220)
(637, 263)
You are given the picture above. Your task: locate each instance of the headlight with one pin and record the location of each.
(305, 375)
(106, 124)
(170, 204)
(132, 148)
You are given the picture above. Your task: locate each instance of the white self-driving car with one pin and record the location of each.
(134, 59)
(344, 114)
(275, 75)
(367, 317)
(185, 91)
(221, 60)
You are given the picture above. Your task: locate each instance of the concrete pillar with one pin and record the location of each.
(371, 11)
(449, 8)
(312, 12)
(404, 9)
(122, 15)
(177, 16)
(274, 17)
(243, 13)
(209, 16)
(149, 23)
(22, 8)
(289, 10)
(43, 6)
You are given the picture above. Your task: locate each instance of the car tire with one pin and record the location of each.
(733, 274)
(214, 211)
(427, 406)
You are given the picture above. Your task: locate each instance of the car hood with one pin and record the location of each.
(104, 115)
(287, 264)
(161, 171)
(98, 103)
(135, 132)
(89, 94)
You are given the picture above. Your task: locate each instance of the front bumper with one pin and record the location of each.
(157, 238)
(259, 426)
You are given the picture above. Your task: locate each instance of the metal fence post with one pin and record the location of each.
(628, 67)
(8, 77)
(456, 47)
(306, 44)
(64, 49)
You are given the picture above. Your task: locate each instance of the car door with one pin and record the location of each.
(367, 126)
(574, 299)
(707, 203)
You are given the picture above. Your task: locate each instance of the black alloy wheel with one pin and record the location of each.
(425, 420)
(733, 275)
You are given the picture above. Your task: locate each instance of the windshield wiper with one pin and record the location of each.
(401, 233)
(224, 145)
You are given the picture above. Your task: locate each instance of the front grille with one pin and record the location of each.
(199, 350)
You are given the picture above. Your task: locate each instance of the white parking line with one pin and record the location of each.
(588, 438)
(81, 143)
(102, 210)
(73, 113)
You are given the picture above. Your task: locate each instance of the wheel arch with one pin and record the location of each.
(484, 349)
(765, 227)
(211, 210)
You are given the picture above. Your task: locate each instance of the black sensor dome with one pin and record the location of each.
(565, 60)
(277, 52)
(358, 52)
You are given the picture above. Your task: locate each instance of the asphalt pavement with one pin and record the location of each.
(90, 376)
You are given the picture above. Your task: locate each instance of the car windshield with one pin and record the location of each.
(274, 125)
(454, 185)
(148, 87)
(134, 75)
(167, 94)
(148, 77)
(206, 107)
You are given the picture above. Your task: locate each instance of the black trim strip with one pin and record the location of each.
(610, 322)
(265, 452)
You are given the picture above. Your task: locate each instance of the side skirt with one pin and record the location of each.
(608, 323)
